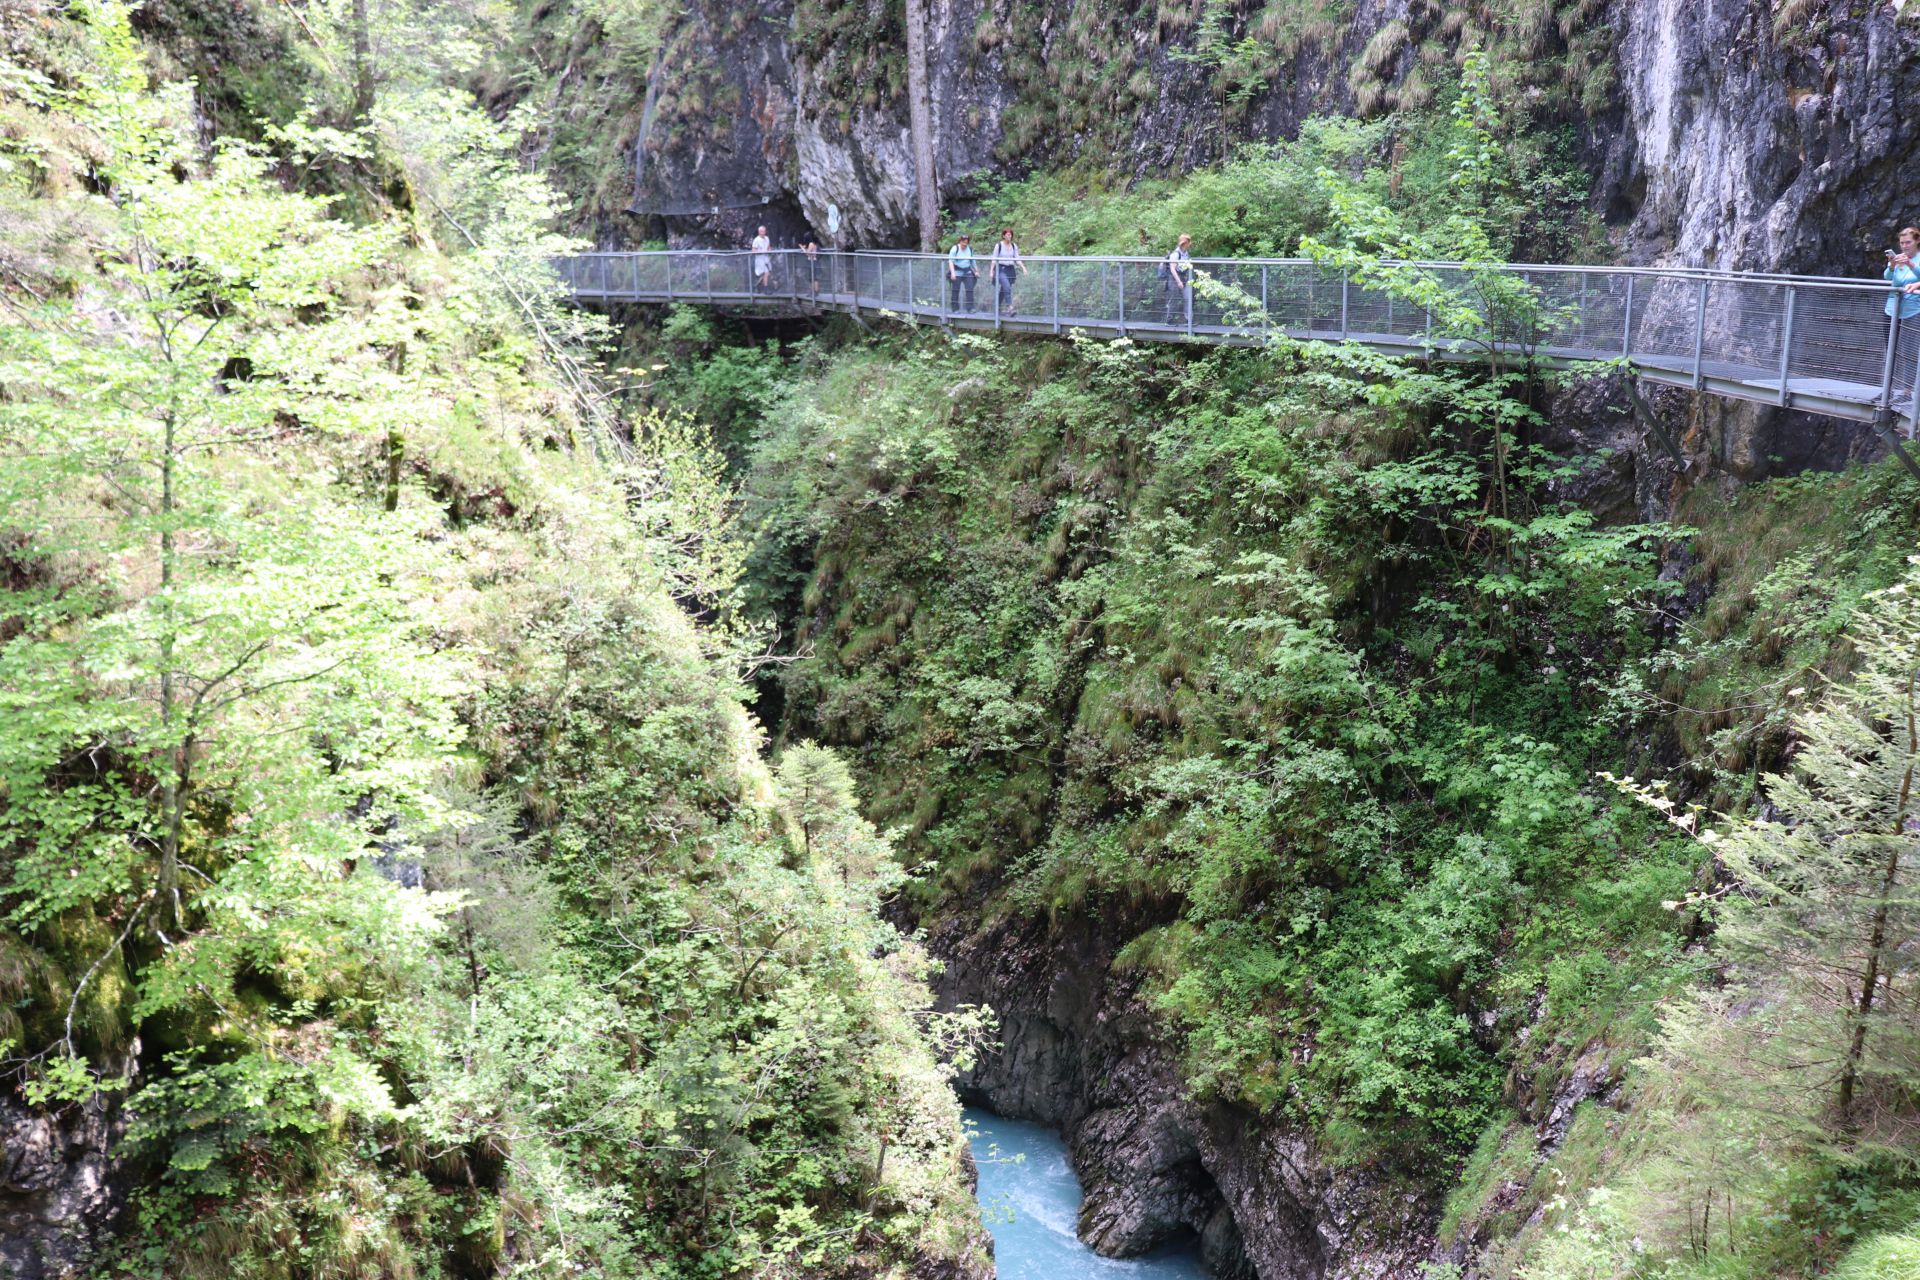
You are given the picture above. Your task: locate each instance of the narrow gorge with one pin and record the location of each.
(503, 782)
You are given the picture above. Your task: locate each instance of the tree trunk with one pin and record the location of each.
(362, 65)
(920, 121)
(396, 446)
(1877, 938)
(173, 784)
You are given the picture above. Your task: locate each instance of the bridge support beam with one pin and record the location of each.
(1644, 413)
(1883, 423)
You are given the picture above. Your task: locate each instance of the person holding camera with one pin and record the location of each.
(1903, 303)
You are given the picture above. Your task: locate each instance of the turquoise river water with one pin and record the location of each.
(1031, 1200)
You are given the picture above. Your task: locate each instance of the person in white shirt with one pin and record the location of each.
(1006, 265)
(762, 259)
(1176, 273)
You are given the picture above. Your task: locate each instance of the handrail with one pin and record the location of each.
(1729, 275)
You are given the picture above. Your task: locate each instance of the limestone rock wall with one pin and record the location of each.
(1732, 136)
(1751, 142)
(61, 1191)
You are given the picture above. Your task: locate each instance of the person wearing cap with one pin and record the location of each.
(961, 274)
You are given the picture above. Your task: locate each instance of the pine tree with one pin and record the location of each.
(1821, 916)
(823, 817)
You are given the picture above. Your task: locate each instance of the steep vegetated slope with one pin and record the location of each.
(393, 883)
(1252, 740)
(1257, 712)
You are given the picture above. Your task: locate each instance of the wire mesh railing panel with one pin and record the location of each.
(1404, 317)
(1324, 299)
(1596, 327)
(1206, 297)
(644, 276)
(893, 284)
(689, 273)
(1290, 297)
(1744, 327)
(1371, 309)
(1665, 311)
(1080, 292)
(1226, 297)
(864, 275)
(1840, 336)
(1457, 312)
(1541, 311)
(929, 287)
(1019, 289)
(1134, 295)
(834, 276)
(962, 292)
(1163, 301)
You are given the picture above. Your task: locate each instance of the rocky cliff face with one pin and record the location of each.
(61, 1192)
(1080, 1052)
(1730, 135)
(1752, 141)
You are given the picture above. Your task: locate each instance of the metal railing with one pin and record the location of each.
(1813, 343)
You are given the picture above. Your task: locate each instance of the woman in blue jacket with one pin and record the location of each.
(1903, 273)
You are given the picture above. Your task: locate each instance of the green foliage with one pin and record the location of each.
(376, 821)
(1472, 171)
(699, 370)
(1790, 559)
(1775, 1107)
(1099, 624)
(1883, 1257)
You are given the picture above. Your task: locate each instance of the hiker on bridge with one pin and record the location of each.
(1903, 304)
(1007, 264)
(961, 274)
(1176, 275)
(763, 259)
(812, 252)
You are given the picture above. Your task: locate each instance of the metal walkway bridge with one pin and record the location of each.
(1817, 344)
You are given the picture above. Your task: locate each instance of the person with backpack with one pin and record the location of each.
(961, 274)
(1176, 282)
(1006, 265)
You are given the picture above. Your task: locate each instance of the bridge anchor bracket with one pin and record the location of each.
(1643, 412)
(1883, 423)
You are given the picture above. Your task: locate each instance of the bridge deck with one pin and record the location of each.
(1818, 345)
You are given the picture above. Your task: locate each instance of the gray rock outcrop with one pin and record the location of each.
(1082, 1053)
(1730, 138)
(61, 1191)
(1749, 143)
